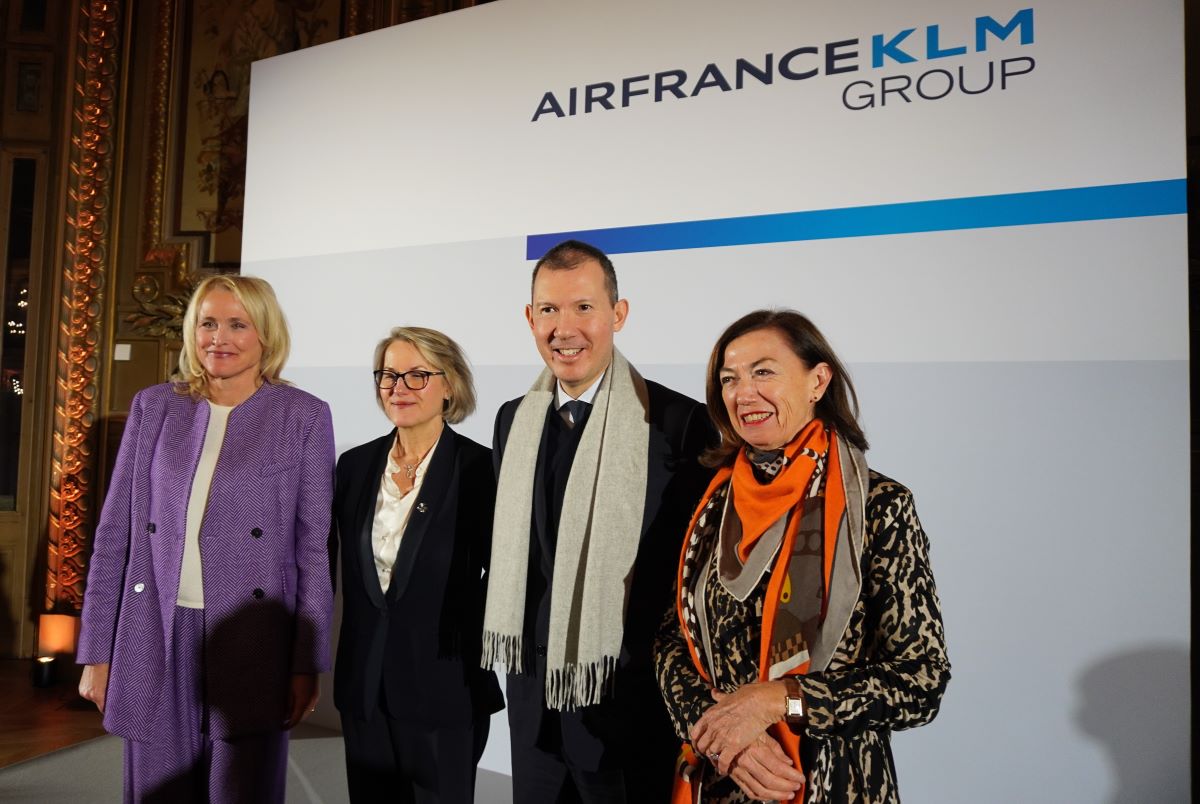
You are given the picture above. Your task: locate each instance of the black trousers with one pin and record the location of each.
(545, 777)
(638, 771)
(393, 761)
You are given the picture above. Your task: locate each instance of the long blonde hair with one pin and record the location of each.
(258, 297)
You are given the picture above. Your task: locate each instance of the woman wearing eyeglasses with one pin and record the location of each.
(414, 515)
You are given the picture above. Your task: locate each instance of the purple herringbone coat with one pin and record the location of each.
(264, 543)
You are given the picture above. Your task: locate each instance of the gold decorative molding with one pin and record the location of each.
(360, 17)
(196, 146)
(88, 227)
(161, 315)
(146, 288)
(155, 251)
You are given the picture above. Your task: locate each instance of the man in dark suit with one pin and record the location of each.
(598, 474)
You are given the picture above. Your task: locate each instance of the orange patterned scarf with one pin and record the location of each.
(812, 456)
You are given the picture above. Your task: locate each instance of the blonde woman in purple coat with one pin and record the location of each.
(209, 598)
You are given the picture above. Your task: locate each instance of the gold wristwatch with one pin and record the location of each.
(794, 712)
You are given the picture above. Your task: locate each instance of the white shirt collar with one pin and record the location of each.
(561, 397)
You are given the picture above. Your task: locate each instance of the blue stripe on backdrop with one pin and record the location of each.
(1139, 199)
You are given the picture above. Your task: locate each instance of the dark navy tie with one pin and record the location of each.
(577, 411)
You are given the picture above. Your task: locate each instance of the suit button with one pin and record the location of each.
(256, 533)
(541, 650)
(258, 594)
(150, 527)
(138, 587)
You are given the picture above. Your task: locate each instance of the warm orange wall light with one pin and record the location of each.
(56, 634)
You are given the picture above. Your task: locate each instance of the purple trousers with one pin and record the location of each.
(185, 765)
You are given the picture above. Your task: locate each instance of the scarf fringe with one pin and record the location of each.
(505, 649)
(578, 685)
(599, 533)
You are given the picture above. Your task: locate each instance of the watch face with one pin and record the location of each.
(795, 707)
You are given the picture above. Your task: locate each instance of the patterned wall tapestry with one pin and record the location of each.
(223, 39)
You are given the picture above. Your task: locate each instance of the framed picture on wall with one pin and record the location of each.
(29, 82)
(33, 22)
(219, 43)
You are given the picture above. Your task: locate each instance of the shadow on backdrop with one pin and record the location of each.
(1137, 705)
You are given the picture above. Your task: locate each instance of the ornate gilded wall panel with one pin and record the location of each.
(154, 250)
(88, 225)
(192, 92)
(199, 103)
(360, 16)
(196, 145)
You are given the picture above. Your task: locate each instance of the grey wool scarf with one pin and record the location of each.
(598, 535)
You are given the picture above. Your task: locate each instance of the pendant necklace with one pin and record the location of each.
(410, 469)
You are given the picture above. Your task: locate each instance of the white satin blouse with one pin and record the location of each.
(392, 511)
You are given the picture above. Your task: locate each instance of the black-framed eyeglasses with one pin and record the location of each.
(414, 380)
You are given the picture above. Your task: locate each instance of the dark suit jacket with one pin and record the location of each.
(418, 645)
(633, 717)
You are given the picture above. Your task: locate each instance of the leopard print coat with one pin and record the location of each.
(888, 673)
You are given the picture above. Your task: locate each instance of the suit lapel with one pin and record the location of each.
(366, 520)
(435, 488)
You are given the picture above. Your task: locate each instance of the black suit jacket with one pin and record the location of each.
(418, 644)
(633, 719)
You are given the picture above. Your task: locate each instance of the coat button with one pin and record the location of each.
(258, 594)
(150, 527)
(138, 587)
(541, 650)
(256, 533)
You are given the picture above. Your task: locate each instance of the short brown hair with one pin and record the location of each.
(571, 254)
(837, 407)
(443, 354)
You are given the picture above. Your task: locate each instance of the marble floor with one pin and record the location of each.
(48, 750)
(91, 772)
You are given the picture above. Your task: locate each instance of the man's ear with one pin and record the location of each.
(620, 313)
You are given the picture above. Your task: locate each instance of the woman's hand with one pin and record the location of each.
(302, 699)
(764, 771)
(737, 720)
(93, 684)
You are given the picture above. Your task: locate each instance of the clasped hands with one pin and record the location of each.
(733, 735)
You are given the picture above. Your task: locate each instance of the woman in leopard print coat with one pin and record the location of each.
(807, 625)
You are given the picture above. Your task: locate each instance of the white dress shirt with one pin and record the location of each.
(561, 397)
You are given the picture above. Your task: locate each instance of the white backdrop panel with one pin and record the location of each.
(1029, 382)
(422, 133)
